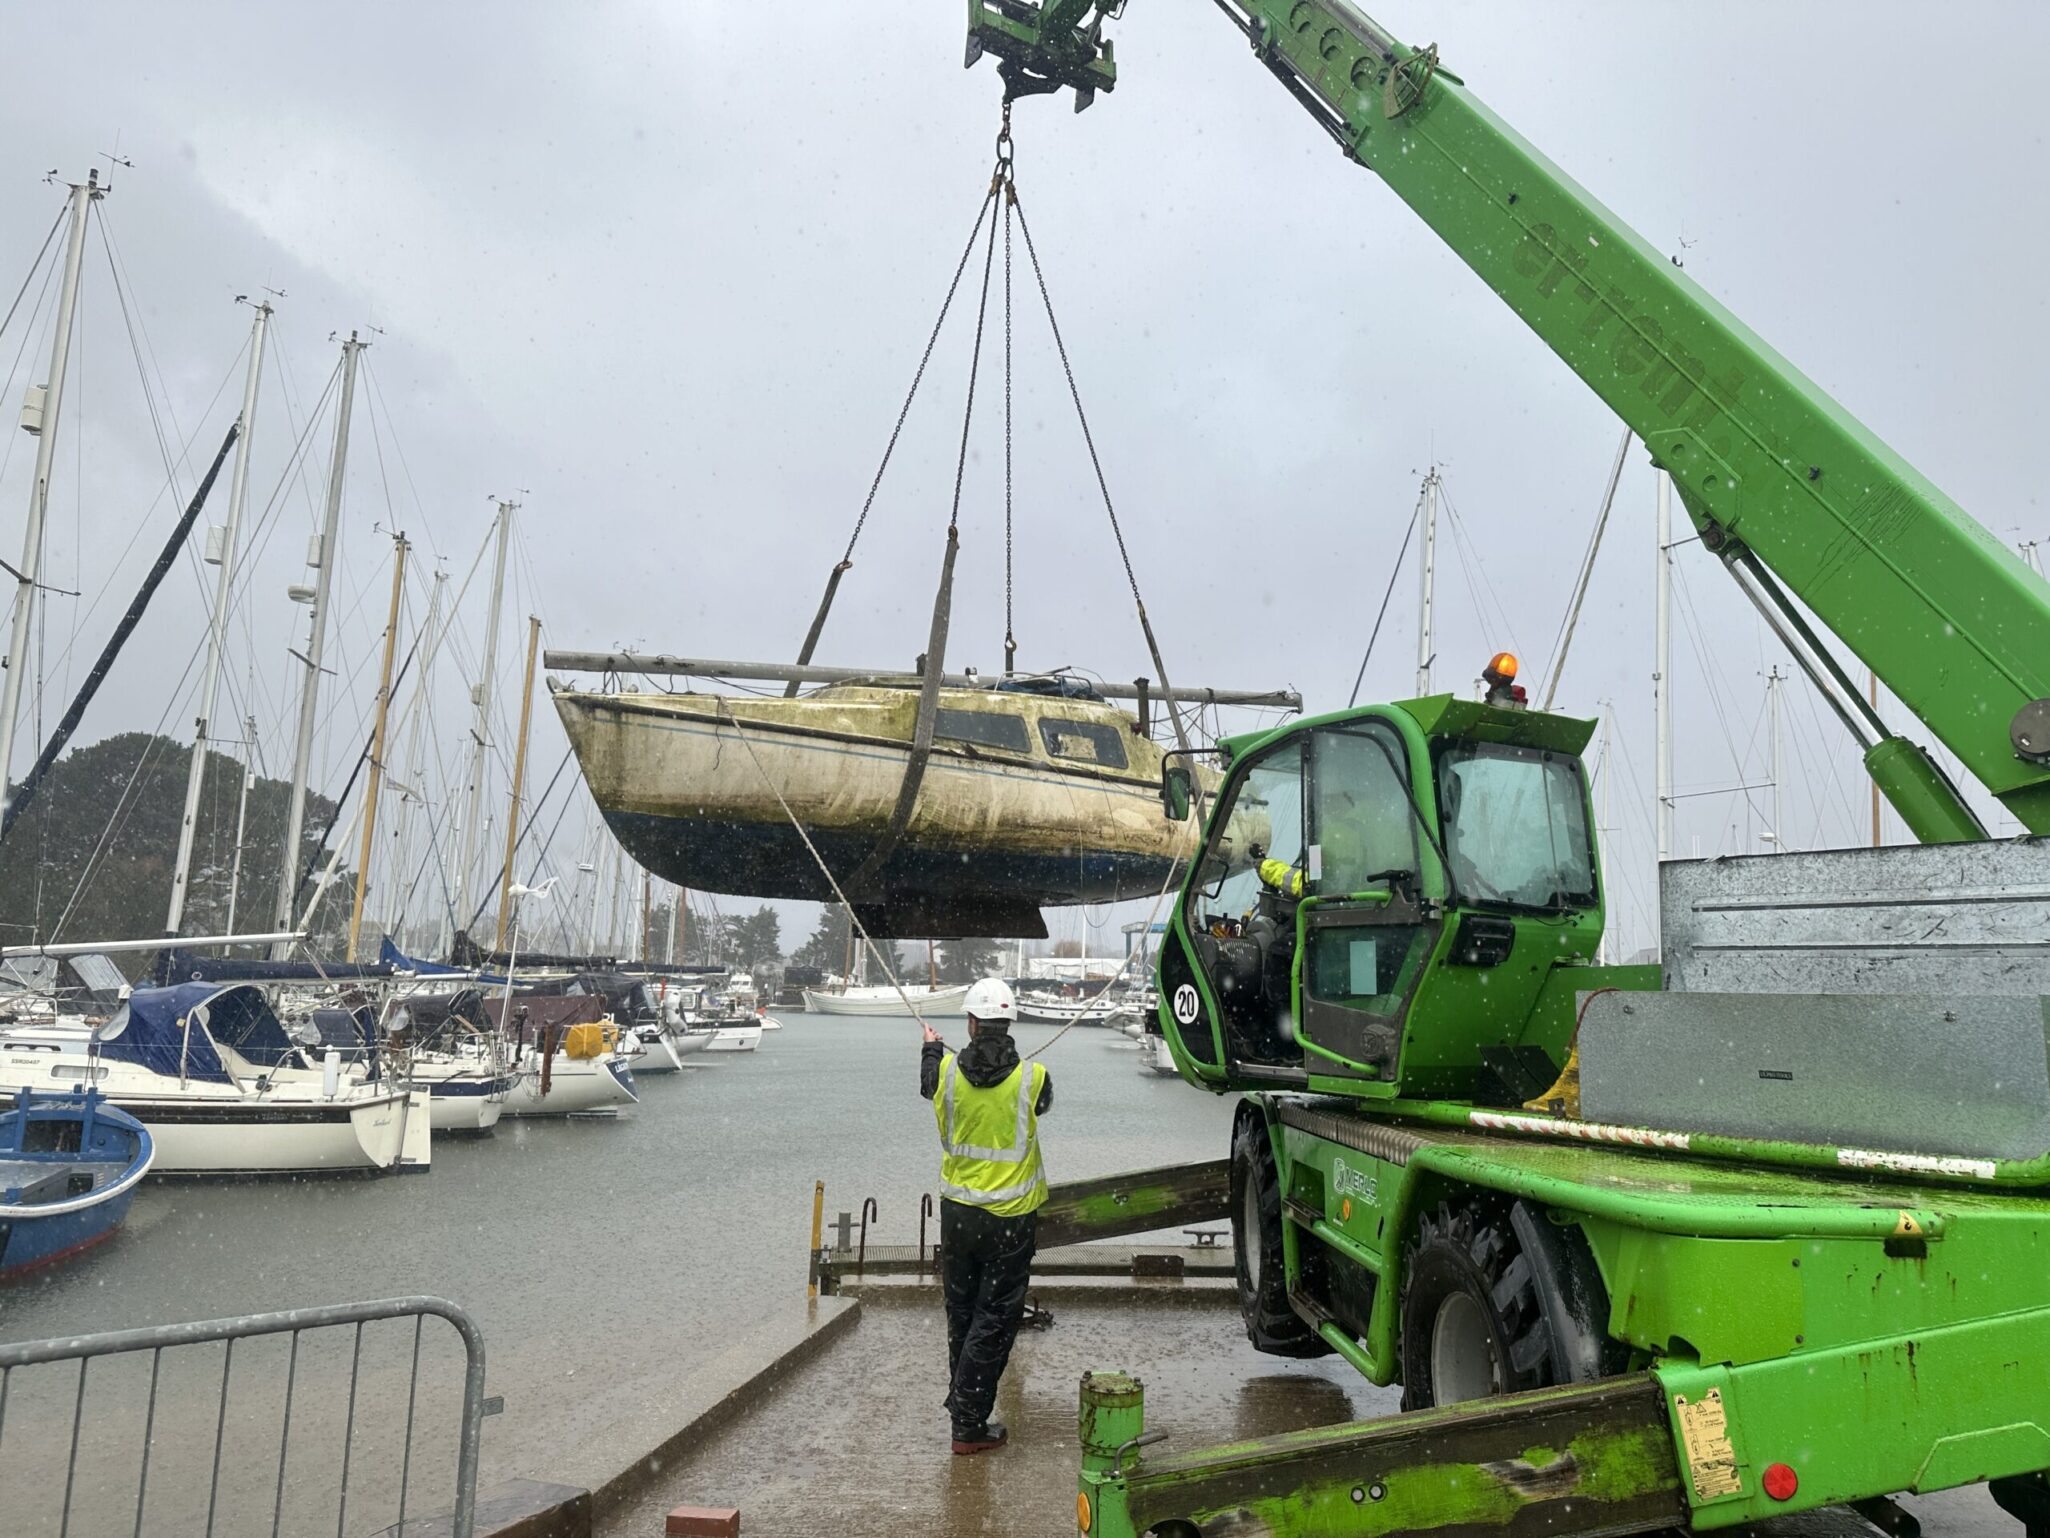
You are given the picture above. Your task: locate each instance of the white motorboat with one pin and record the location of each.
(926, 1001)
(223, 1089)
(734, 1036)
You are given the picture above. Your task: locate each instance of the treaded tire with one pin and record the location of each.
(1271, 1325)
(1499, 1300)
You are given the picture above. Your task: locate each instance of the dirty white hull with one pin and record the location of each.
(690, 784)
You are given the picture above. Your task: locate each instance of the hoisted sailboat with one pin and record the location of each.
(1034, 793)
(933, 805)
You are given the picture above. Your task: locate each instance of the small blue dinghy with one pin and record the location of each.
(69, 1166)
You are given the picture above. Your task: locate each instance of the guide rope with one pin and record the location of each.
(854, 919)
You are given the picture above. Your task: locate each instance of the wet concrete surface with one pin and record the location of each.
(856, 1441)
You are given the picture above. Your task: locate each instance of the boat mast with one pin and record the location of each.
(242, 818)
(519, 778)
(1426, 651)
(1773, 680)
(412, 790)
(375, 783)
(39, 416)
(316, 646)
(647, 917)
(1662, 668)
(217, 632)
(480, 730)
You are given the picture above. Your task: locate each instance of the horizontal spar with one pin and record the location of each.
(159, 942)
(784, 672)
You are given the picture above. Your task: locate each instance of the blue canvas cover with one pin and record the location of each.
(150, 1030)
(176, 966)
(158, 1030)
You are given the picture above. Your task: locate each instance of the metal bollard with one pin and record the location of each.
(843, 1233)
(1112, 1426)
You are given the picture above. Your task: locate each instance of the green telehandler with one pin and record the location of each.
(1760, 1229)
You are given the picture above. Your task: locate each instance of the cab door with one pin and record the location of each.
(1225, 973)
(1364, 930)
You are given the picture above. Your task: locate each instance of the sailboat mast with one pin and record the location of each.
(241, 819)
(480, 731)
(519, 778)
(316, 647)
(1427, 598)
(42, 410)
(413, 789)
(375, 783)
(217, 633)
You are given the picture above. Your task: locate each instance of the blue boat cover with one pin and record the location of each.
(176, 966)
(391, 956)
(152, 1030)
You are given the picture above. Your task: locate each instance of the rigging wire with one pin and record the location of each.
(889, 450)
(30, 276)
(1394, 572)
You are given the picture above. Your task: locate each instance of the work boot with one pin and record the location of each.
(978, 1439)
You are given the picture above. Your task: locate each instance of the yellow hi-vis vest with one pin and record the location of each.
(989, 1140)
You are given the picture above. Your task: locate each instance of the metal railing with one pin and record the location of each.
(89, 1349)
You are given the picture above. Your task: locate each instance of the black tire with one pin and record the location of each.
(1271, 1325)
(1495, 1300)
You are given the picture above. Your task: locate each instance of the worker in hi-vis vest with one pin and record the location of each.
(988, 1104)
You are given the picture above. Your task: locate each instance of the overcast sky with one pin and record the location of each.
(664, 270)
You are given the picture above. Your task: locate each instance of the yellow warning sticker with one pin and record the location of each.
(1905, 1227)
(1705, 1438)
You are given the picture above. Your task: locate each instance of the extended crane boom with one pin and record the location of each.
(1804, 505)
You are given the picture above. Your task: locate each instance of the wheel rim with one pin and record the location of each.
(1463, 1364)
(1249, 1230)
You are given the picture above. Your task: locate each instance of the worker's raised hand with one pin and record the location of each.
(930, 1033)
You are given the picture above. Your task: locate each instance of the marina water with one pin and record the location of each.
(608, 1259)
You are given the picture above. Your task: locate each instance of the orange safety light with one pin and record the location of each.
(1500, 677)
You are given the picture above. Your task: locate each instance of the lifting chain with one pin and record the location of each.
(1008, 178)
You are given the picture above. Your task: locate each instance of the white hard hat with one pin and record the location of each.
(991, 999)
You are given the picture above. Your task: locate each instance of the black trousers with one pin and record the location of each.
(985, 1267)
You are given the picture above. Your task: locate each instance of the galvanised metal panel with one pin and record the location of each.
(1942, 919)
(1914, 1074)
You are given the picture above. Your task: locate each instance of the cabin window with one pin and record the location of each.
(984, 728)
(1516, 829)
(71, 1073)
(1088, 742)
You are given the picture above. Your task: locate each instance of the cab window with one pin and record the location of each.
(1362, 823)
(1265, 821)
(1515, 824)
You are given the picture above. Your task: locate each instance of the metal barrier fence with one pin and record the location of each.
(89, 1349)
